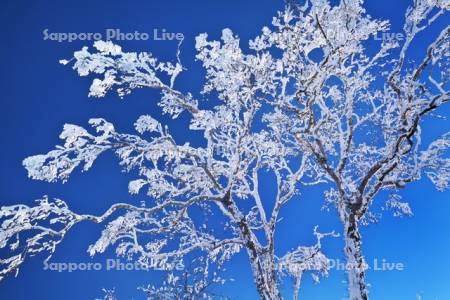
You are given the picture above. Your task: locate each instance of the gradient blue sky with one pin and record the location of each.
(38, 96)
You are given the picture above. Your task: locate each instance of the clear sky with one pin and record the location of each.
(38, 96)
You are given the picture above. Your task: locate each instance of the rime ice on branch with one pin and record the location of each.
(221, 177)
(348, 118)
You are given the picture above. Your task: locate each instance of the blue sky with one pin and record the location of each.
(39, 96)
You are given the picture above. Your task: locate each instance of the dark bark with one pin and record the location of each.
(262, 262)
(356, 265)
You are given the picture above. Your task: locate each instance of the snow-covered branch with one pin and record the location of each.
(307, 104)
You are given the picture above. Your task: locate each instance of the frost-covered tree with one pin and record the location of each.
(309, 103)
(220, 179)
(295, 263)
(359, 114)
(196, 281)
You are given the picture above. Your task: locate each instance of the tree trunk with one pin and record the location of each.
(265, 280)
(297, 283)
(263, 264)
(356, 266)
